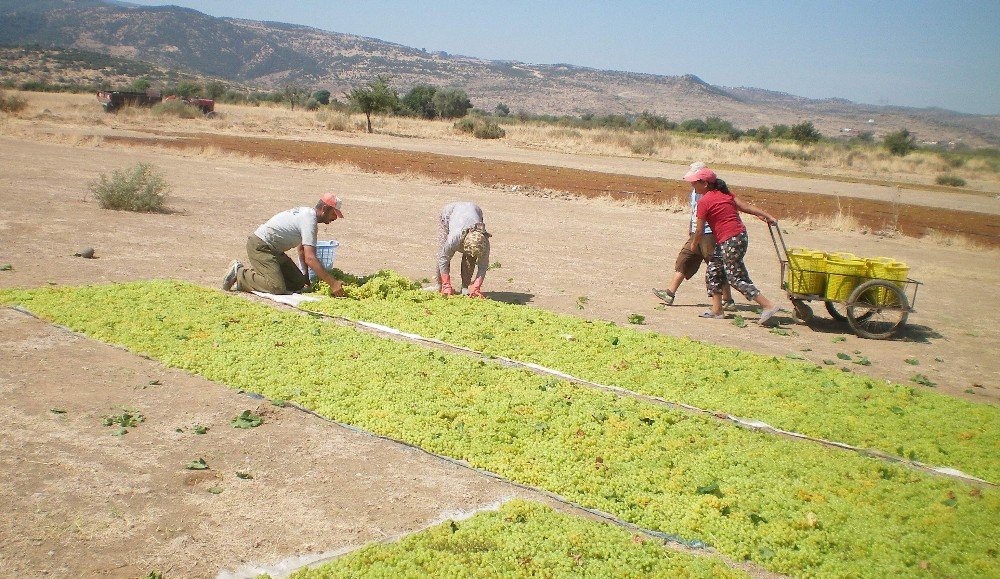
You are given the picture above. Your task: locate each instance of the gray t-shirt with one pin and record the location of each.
(455, 218)
(290, 229)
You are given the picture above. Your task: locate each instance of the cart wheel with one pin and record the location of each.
(838, 311)
(876, 309)
(802, 310)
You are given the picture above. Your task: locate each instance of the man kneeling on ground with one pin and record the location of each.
(271, 270)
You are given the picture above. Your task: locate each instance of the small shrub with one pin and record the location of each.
(793, 154)
(486, 129)
(465, 125)
(644, 146)
(139, 189)
(338, 122)
(12, 104)
(479, 127)
(176, 108)
(950, 180)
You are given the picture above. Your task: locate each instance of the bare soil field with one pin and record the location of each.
(84, 503)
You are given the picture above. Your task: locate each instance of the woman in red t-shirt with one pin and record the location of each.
(722, 213)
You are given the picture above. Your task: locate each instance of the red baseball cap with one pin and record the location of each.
(703, 174)
(333, 201)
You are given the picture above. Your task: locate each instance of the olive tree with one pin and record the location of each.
(900, 143)
(451, 103)
(419, 101)
(804, 133)
(322, 96)
(377, 96)
(214, 90)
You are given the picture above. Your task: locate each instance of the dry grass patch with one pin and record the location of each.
(945, 239)
(841, 221)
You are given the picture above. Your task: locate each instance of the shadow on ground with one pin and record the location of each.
(518, 298)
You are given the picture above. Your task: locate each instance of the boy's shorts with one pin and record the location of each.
(689, 261)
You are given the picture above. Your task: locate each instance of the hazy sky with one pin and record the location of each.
(915, 53)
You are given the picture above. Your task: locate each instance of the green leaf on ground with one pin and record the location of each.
(922, 380)
(912, 361)
(637, 319)
(710, 489)
(199, 464)
(244, 475)
(6, 267)
(199, 429)
(127, 419)
(843, 356)
(247, 420)
(215, 490)
(863, 361)
(836, 339)
(829, 362)
(739, 321)
(57, 411)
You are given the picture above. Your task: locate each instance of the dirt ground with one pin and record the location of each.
(85, 503)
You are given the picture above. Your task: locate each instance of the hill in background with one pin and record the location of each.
(269, 55)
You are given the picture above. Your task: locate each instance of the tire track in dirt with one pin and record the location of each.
(911, 220)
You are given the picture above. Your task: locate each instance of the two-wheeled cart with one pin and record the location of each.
(873, 307)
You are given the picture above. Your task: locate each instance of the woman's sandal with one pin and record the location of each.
(712, 316)
(768, 315)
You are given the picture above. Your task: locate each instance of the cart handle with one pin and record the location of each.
(783, 250)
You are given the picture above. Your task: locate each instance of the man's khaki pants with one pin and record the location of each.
(270, 271)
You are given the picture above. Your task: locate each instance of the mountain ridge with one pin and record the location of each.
(271, 54)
